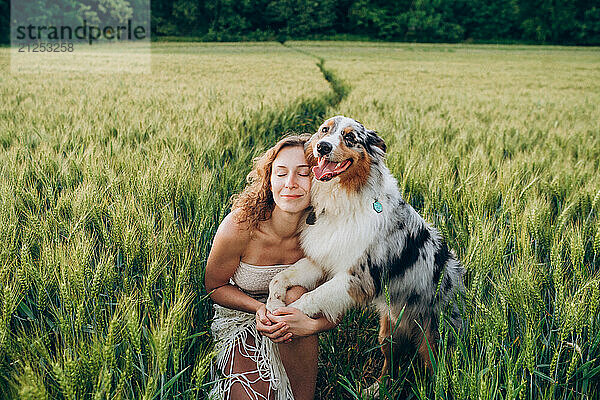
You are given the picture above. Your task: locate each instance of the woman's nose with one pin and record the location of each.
(290, 181)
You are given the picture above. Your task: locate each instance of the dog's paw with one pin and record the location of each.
(304, 306)
(274, 303)
(308, 306)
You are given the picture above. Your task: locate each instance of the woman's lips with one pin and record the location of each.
(291, 196)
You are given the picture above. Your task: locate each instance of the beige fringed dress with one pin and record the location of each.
(231, 330)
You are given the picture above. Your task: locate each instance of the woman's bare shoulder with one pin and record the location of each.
(228, 248)
(232, 231)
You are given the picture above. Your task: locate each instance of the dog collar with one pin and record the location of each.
(377, 206)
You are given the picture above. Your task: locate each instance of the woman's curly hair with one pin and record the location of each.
(255, 203)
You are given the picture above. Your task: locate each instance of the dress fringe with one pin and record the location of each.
(230, 330)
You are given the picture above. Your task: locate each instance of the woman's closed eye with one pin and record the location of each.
(304, 171)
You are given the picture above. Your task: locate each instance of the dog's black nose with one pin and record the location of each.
(324, 148)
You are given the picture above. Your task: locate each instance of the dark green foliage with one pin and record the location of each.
(501, 20)
(4, 21)
(535, 21)
(424, 20)
(530, 21)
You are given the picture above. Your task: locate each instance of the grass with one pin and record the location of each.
(111, 188)
(497, 146)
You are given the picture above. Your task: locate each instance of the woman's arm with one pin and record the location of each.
(228, 246)
(227, 249)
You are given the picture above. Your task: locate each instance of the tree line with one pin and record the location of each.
(529, 21)
(571, 22)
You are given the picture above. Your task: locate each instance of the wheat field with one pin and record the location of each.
(111, 187)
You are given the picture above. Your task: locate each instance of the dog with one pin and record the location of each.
(368, 245)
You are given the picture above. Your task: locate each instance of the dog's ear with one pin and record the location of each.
(374, 140)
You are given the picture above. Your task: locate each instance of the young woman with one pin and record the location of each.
(262, 355)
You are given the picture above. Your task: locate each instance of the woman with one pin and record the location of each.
(263, 355)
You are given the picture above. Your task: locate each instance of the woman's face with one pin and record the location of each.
(290, 180)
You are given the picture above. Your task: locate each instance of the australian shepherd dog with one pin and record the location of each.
(363, 243)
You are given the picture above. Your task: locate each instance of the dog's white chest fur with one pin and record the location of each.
(344, 228)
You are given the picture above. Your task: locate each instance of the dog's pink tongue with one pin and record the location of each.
(324, 169)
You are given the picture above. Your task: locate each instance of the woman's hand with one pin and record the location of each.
(277, 331)
(298, 323)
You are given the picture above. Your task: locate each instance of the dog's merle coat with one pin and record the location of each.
(368, 243)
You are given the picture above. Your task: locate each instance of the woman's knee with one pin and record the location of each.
(294, 294)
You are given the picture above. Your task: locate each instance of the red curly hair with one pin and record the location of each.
(255, 203)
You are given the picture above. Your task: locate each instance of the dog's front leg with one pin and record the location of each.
(303, 273)
(332, 299)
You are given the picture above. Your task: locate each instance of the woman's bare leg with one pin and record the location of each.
(242, 364)
(300, 357)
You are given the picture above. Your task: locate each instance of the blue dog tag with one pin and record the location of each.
(377, 206)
